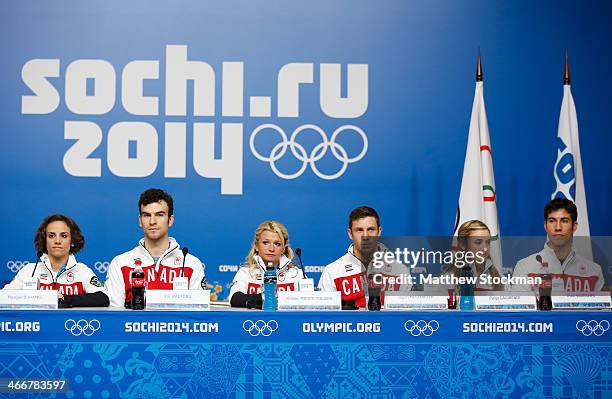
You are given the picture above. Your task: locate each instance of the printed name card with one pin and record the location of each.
(178, 300)
(28, 299)
(309, 300)
(416, 301)
(306, 284)
(516, 301)
(582, 300)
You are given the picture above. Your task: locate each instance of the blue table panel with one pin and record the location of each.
(261, 354)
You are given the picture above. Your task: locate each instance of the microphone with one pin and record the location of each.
(185, 251)
(298, 253)
(38, 255)
(545, 288)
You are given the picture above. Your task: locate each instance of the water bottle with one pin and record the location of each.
(270, 302)
(545, 288)
(138, 288)
(466, 290)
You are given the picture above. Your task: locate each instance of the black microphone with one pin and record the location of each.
(298, 253)
(539, 258)
(38, 255)
(185, 251)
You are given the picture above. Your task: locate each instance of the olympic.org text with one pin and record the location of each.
(19, 326)
(490, 327)
(423, 257)
(170, 327)
(341, 327)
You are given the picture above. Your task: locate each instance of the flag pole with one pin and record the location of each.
(566, 74)
(478, 68)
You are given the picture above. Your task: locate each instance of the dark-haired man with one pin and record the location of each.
(569, 270)
(159, 255)
(347, 274)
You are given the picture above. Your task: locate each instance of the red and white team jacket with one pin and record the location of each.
(250, 281)
(76, 279)
(347, 275)
(158, 276)
(576, 274)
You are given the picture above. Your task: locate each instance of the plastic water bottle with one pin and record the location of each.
(545, 288)
(466, 290)
(138, 288)
(270, 302)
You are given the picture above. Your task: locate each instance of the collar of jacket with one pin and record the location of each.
(549, 253)
(284, 262)
(172, 246)
(69, 265)
(380, 247)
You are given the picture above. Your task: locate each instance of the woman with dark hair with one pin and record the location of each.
(56, 241)
(270, 248)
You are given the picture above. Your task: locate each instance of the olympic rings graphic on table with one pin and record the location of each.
(82, 326)
(102, 267)
(426, 328)
(260, 327)
(317, 153)
(597, 328)
(16, 265)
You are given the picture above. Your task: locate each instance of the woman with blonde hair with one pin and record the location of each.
(474, 241)
(270, 248)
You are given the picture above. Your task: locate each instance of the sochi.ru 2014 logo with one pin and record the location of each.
(421, 327)
(593, 327)
(260, 327)
(189, 134)
(82, 326)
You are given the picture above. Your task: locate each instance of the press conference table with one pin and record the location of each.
(222, 353)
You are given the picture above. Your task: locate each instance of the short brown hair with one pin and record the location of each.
(363, 212)
(77, 241)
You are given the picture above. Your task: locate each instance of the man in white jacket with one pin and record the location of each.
(569, 270)
(348, 273)
(157, 254)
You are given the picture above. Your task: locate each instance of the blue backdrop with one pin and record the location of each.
(416, 59)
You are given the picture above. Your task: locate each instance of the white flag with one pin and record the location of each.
(477, 199)
(568, 168)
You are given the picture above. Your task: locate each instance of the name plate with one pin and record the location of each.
(28, 299)
(310, 300)
(416, 301)
(517, 301)
(583, 300)
(180, 283)
(178, 300)
(306, 284)
(30, 283)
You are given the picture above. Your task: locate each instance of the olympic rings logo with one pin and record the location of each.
(260, 327)
(317, 153)
(421, 327)
(102, 267)
(597, 328)
(82, 326)
(16, 265)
